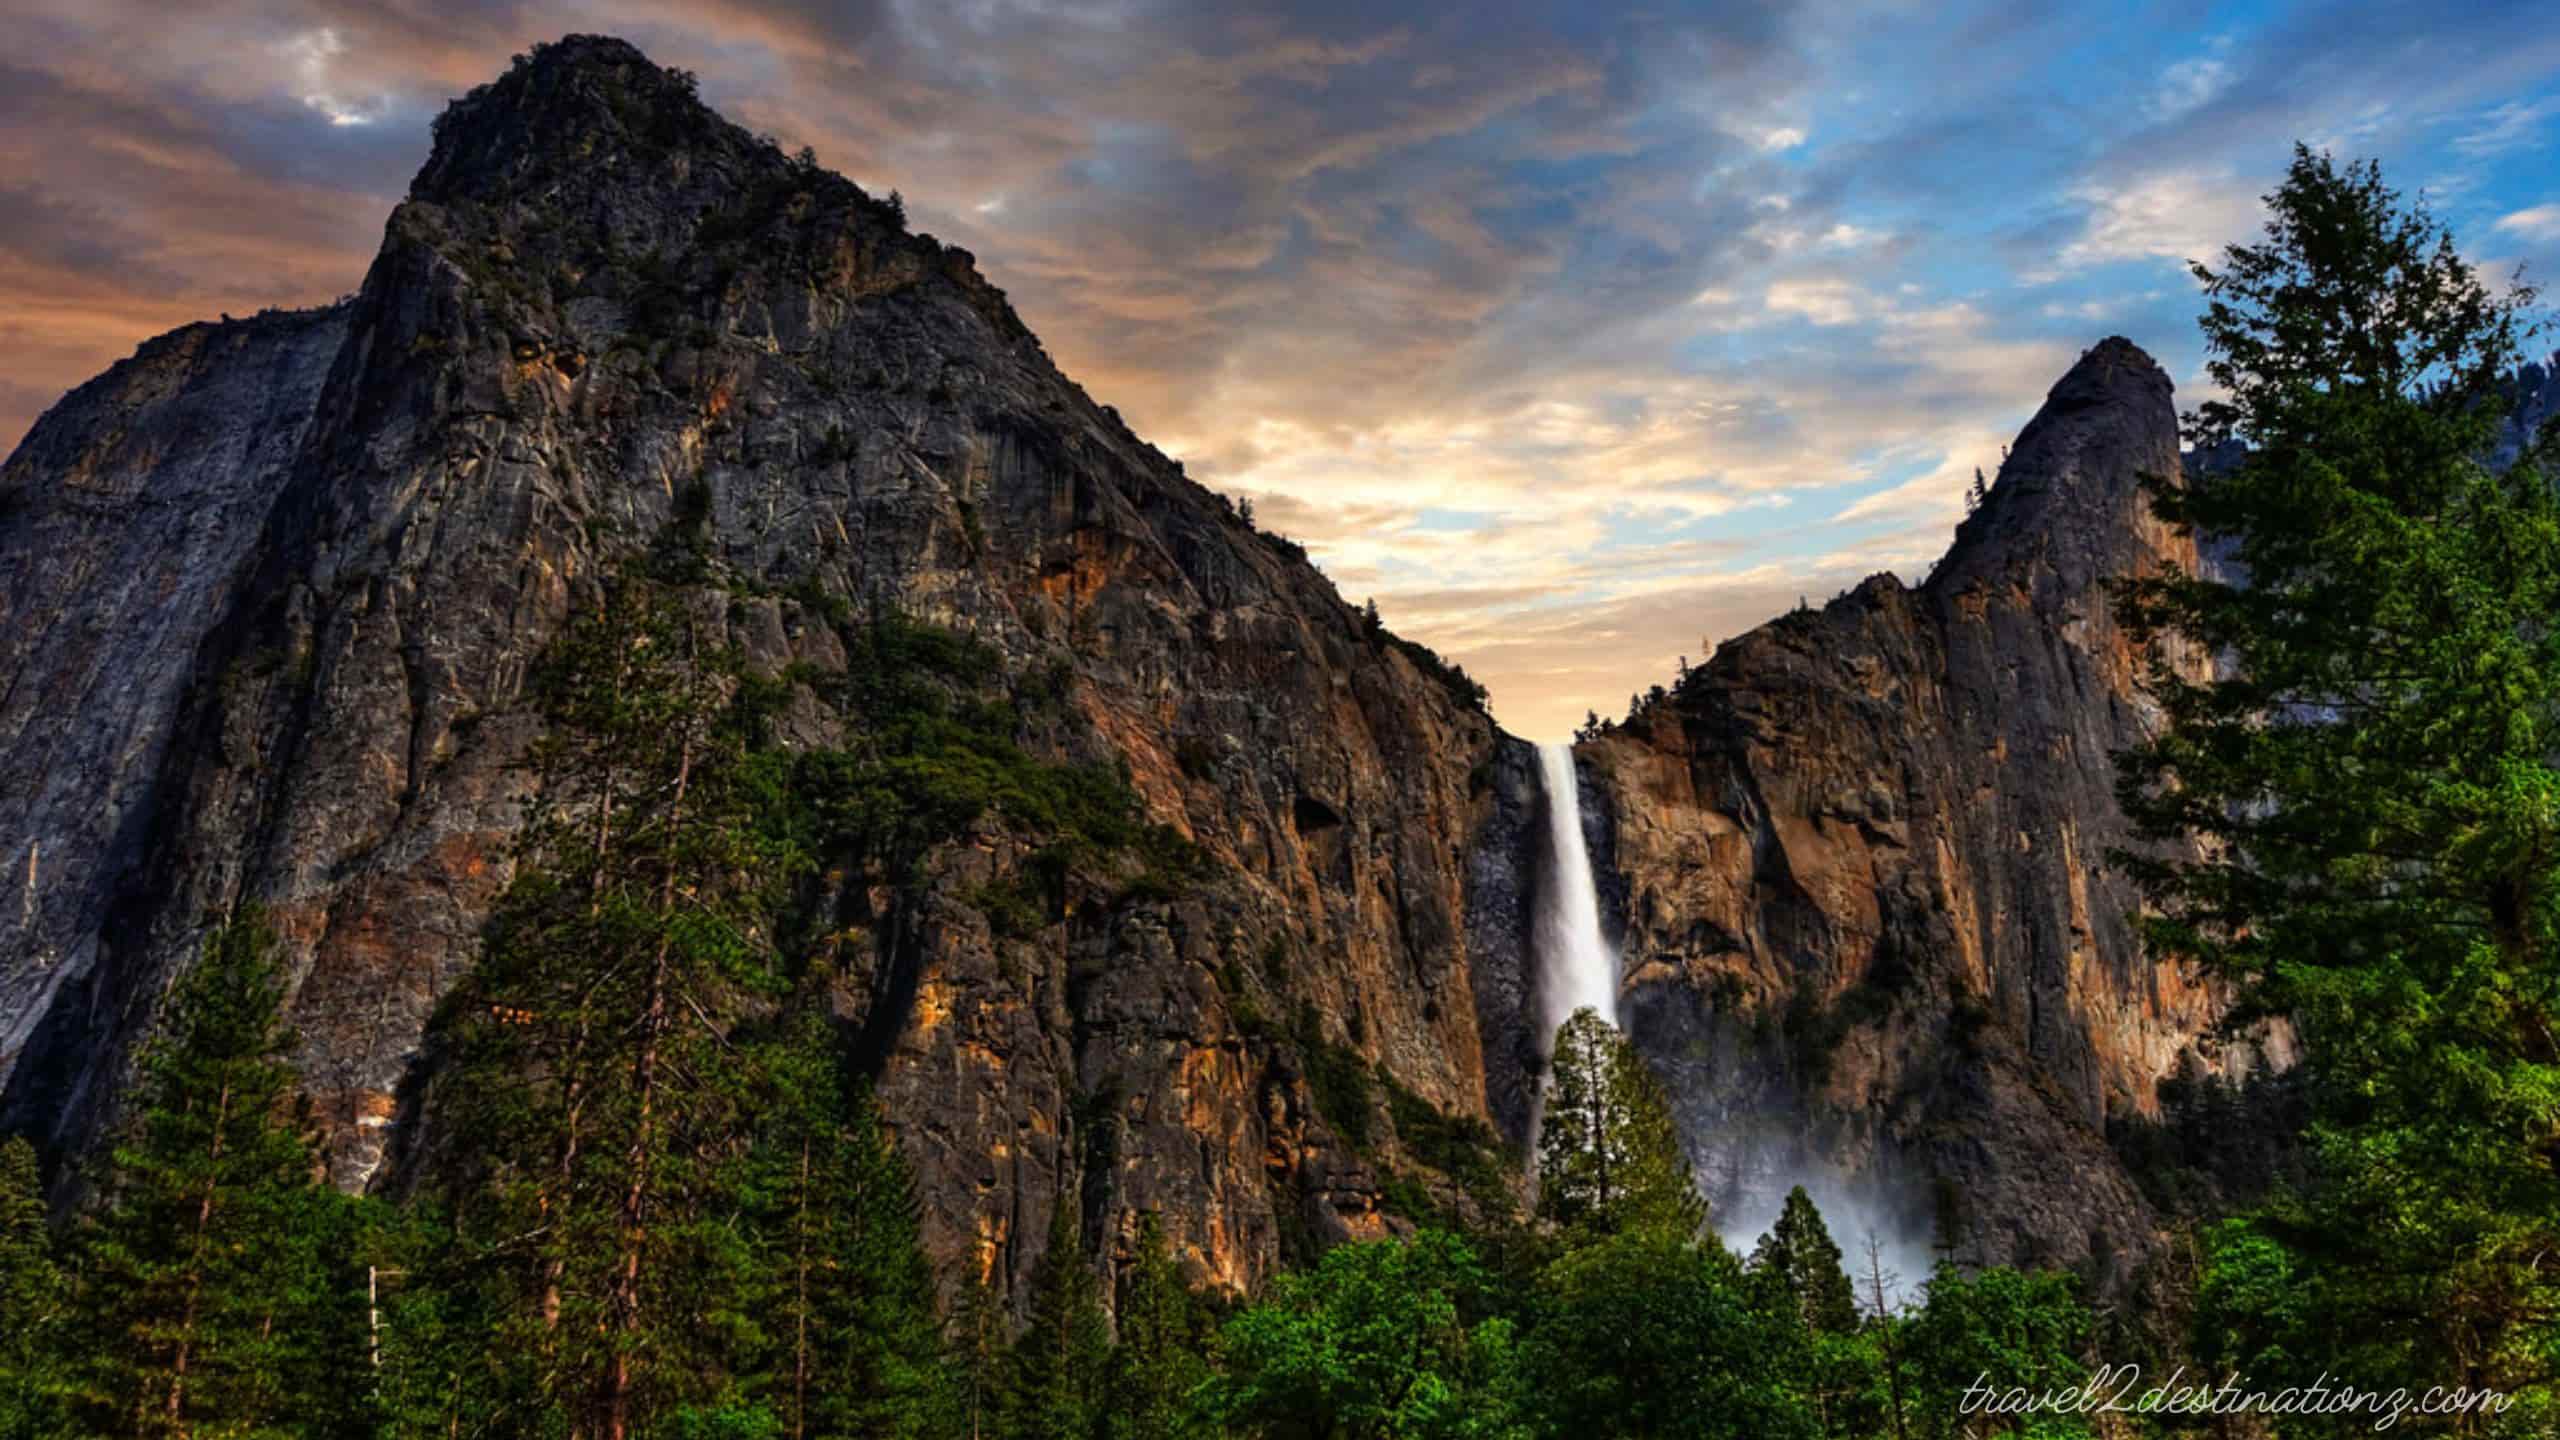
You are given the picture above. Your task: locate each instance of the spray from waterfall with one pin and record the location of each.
(1575, 966)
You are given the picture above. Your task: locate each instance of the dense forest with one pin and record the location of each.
(660, 1199)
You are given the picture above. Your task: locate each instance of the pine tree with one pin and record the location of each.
(1158, 1361)
(1054, 1372)
(1609, 1156)
(595, 1075)
(977, 1350)
(846, 1340)
(435, 1350)
(2369, 787)
(209, 1300)
(1795, 1278)
(33, 1302)
(1801, 1268)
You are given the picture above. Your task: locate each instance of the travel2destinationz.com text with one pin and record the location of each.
(2118, 1389)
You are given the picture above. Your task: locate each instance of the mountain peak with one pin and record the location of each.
(574, 103)
(2069, 493)
(2114, 369)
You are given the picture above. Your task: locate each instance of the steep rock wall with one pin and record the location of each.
(604, 318)
(1870, 931)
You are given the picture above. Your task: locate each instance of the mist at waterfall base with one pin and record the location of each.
(1577, 968)
(1906, 1259)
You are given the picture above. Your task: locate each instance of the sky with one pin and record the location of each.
(1580, 336)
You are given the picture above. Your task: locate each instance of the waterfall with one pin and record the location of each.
(1574, 966)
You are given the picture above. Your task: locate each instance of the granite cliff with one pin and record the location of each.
(270, 592)
(1869, 928)
(273, 588)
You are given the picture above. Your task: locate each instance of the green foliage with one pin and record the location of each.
(2372, 779)
(937, 752)
(1376, 1341)
(34, 1303)
(836, 1332)
(1648, 1333)
(593, 1070)
(1161, 1359)
(1339, 1079)
(207, 1298)
(1054, 1376)
(1798, 1268)
(1461, 1147)
(2217, 1144)
(1609, 1156)
(2000, 1329)
(974, 1387)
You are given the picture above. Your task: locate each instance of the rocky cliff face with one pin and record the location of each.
(1869, 929)
(273, 589)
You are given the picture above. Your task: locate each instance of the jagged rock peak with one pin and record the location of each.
(581, 100)
(2069, 494)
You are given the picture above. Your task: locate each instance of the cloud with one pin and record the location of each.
(1575, 333)
(2176, 215)
(2514, 125)
(2189, 85)
(1824, 302)
(2539, 224)
(312, 54)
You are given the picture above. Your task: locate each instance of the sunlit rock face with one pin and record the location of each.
(274, 587)
(1869, 929)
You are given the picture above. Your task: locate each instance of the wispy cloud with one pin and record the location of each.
(2539, 224)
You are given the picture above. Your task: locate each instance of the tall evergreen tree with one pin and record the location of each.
(1609, 1156)
(595, 1075)
(977, 1351)
(2371, 777)
(209, 1299)
(1795, 1278)
(844, 1341)
(1158, 1361)
(1055, 1371)
(33, 1302)
(1801, 1269)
